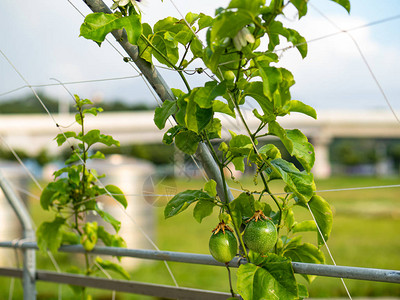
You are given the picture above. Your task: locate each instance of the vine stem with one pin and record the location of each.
(266, 187)
(180, 71)
(226, 202)
(230, 280)
(275, 200)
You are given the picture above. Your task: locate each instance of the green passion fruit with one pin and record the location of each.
(260, 234)
(223, 245)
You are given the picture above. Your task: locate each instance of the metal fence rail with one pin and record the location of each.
(148, 289)
(370, 274)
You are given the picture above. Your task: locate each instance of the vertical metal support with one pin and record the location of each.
(162, 90)
(29, 267)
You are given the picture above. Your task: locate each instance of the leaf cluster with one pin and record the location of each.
(76, 191)
(239, 51)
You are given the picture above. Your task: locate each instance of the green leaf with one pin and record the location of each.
(242, 208)
(187, 141)
(110, 266)
(298, 106)
(52, 192)
(211, 188)
(228, 24)
(117, 194)
(204, 96)
(288, 217)
(300, 183)
(203, 117)
(344, 3)
(171, 133)
(108, 218)
(191, 17)
(97, 25)
(196, 47)
(69, 238)
(168, 49)
(144, 49)
(304, 226)
(182, 200)
(92, 137)
(303, 292)
(275, 129)
(271, 77)
(97, 155)
(47, 195)
(89, 236)
(111, 240)
(214, 128)
(323, 215)
(238, 162)
(270, 151)
(252, 6)
(79, 118)
(274, 280)
(203, 209)
(296, 143)
(49, 235)
(108, 140)
(255, 90)
(219, 106)
(205, 21)
(240, 145)
(306, 253)
(302, 149)
(161, 114)
(301, 6)
(62, 137)
(92, 110)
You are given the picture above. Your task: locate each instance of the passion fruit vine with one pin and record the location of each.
(223, 245)
(260, 234)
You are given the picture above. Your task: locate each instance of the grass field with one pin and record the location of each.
(365, 234)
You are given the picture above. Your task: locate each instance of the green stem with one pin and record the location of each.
(230, 280)
(226, 202)
(184, 55)
(262, 175)
(266, 187)
(180, 72)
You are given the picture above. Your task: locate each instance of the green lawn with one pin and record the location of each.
(365, 234)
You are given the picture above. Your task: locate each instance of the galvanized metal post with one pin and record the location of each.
(163, 91)
(29, 261)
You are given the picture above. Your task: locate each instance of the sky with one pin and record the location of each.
(41, 39)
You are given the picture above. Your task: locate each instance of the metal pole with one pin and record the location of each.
(163, 91)
(369, 274)
(29, 267)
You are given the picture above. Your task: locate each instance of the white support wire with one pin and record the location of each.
(371, 72)
(68, 83)
(194, 160)
(327, 248)
(96, 178)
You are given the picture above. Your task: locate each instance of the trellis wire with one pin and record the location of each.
(254, 146)
(68, 83)
(96, 178)
(375, 79)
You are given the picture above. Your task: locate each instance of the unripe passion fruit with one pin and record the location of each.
(260, 235)
(223, 245)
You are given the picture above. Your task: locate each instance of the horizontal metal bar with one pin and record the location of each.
(347, 272)
(192, 258)
(133, 287)
(11, 272)
(369, 274)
